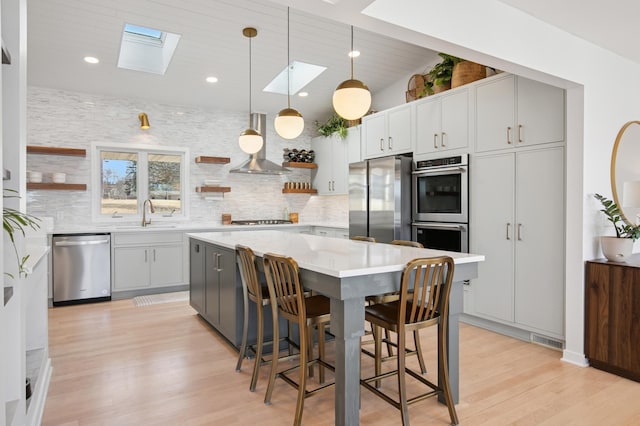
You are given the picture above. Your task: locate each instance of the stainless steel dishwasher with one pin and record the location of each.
(81, 268)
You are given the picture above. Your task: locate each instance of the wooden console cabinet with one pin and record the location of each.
(612, 313)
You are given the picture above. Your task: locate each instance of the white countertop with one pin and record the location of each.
(178, 226)
(336, 257)
(36, 252)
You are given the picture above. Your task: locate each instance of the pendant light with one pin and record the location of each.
(289, 122)
(352, 98)
(250, 140)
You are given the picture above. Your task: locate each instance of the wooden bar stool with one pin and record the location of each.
(362, 238)
(259, 294)
(424, 302)
(287, 299)
(390, 297)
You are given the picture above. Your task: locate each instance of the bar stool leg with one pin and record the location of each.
(416, 339)
(321, 352)
(402, 390)
(245, 326)
(377, 332)
(274, 360)
(259, 343)
(302, 384)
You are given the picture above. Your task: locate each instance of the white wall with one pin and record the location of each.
(75, 120)
(604, 93)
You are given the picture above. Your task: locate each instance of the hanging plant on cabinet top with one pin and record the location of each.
(335, 124)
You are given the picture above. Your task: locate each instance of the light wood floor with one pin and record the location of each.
(116, 364)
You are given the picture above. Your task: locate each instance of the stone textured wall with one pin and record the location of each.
(74, 120)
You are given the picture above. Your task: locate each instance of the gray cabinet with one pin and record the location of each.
(388, 132)
(197, 275)
(517, 218)
(216, 293)
(442, 122)
(513, 111)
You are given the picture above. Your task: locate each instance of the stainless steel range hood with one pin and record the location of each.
(258, 163)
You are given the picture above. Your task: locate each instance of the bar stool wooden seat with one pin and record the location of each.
(363, 238)
(390, 297)
(287, 299)
(259, 294)
(424, 302)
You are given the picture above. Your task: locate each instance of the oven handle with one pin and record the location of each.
(439, 171)
(438, 226)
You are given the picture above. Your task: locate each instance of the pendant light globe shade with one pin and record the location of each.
(289, 123)
(250, 141)
(352, 99)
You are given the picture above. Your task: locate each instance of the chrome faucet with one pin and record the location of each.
(146, 222)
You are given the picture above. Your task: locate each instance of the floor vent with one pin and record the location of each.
(545, 341)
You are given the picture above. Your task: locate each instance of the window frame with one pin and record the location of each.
(142, 184)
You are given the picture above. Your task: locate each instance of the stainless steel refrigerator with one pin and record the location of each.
(380, 198)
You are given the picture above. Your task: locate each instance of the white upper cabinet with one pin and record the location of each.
(442, 123)
(388, 132)
(331, 177)
(514, 111)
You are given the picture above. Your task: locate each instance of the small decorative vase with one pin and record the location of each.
(616, 249)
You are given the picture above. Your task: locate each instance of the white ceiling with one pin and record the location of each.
(62, 32)
(612, 25)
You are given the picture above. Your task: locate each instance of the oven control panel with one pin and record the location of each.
(458, 160)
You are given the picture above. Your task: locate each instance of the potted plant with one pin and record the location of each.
(335, 124)
(14, 221)
(618, 248)
(441, 73)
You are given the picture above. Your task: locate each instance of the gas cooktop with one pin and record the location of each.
(261, 222)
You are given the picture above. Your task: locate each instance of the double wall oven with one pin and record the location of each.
(441, 203)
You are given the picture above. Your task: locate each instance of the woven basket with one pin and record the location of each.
(466, 72)
(415, 87)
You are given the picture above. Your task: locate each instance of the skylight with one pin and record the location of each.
(301, 75)
(146, 49)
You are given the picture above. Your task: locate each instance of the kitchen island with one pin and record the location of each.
(347, 271)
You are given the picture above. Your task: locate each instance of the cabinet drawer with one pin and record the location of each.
(146, 238)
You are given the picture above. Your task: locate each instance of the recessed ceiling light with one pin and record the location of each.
(212, 79)
(354, 53)
(91, 60)
(303, 94)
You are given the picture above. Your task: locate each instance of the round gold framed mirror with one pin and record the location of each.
(625, 172)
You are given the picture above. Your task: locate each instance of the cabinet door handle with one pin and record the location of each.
(390, 142)
(519, 133)
(154, 255)
(329, 185)
(196, 248)
(435, 140)
(333, 185)
(519, 232)
(509, 135)
(218, 268)
(215, 261)
(442, 139)
(381, 144)
(508, 231)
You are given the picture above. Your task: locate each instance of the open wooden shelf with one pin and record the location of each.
(212, 160)
(58, 186)
(48, 150)
(213, 189)
(299, 191)
(297, 165)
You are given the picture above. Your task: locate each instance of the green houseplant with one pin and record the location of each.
(14, 222)
(617, 248)
(335, 124)
(441, 73)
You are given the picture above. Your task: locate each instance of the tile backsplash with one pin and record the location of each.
(66, 119)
